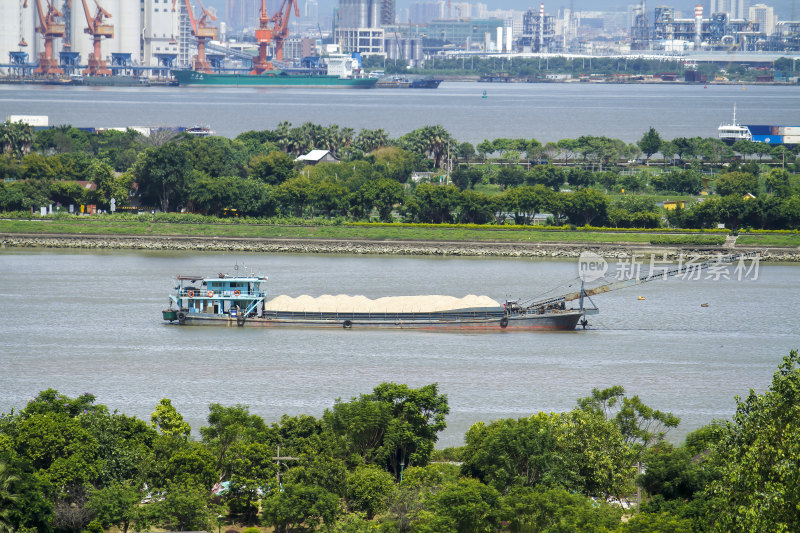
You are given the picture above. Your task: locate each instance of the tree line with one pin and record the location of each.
(587, 180)
(368, 464)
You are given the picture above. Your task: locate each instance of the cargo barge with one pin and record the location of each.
(232, 300)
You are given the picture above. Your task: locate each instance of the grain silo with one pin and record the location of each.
(126, 19)
(16, 30)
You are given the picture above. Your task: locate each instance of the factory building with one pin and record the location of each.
(538, 31)
(716, 32)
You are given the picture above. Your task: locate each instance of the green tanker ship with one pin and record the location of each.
(272, 79)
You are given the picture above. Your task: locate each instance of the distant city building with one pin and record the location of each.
(765, 16)
(461, 33)
(424, 12)
(296, 47)
(733, 8)
(387, 12)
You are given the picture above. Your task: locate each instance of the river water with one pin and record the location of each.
(543, 111)
(90, 322)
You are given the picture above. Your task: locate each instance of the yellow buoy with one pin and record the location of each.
(642, 298)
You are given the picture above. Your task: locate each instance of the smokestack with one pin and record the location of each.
(698, 26)
(541, 27)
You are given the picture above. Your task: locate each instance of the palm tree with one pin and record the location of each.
(282, 134)
(7, 498)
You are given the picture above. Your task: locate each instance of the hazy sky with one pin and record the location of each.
(783, 7)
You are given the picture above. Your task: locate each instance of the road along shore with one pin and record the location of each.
(358, 247)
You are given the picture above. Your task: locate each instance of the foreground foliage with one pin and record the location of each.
(70, 465)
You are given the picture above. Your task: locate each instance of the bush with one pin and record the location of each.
(696, 240)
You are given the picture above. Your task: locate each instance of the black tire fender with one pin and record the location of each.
(504, 322)
(347, 324)
(181, 318)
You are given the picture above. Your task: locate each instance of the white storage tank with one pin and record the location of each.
(126, 19)
(16, 23)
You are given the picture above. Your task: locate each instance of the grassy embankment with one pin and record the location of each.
(378, 232)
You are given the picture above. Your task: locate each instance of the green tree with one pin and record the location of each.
(777, 183)
(369, 490)
(556, 510)
(185, 507)
(467, 506)
(586, 206)
(116, 505)
(547, 175)
(757, 456)
(394, 424)
(161, 175)
(16, 138)
(298, 505)
(272, 168)
(169, 421)
(227, 425)
(8, 497)
(650, 143)
(433, 203)
(508, 452)
(736, 183)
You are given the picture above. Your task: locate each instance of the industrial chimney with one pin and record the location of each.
(698, 26)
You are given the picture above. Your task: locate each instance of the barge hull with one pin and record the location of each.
(557, 321)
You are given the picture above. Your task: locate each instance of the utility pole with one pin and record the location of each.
(278, 460)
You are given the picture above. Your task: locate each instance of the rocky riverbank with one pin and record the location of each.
(456, 249)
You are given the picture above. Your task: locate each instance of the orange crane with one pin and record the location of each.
(202, 33)
(50, 30)
(98, 30)
(280, 28)
(263, 37)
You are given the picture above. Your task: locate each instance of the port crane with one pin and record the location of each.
(97, 29)
(263, 37)
(202, 32)
(280, 28)
(277, 33)
(51, 29)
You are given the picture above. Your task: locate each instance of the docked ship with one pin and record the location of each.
(242, 300)
(773, 135)
(339, 71)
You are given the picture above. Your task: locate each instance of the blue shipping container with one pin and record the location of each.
(760, 129)
(769, 139)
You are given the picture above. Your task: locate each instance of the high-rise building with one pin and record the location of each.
(765, 16)
(387, 14)
(733, 8)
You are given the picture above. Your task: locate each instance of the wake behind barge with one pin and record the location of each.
(234, 300)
